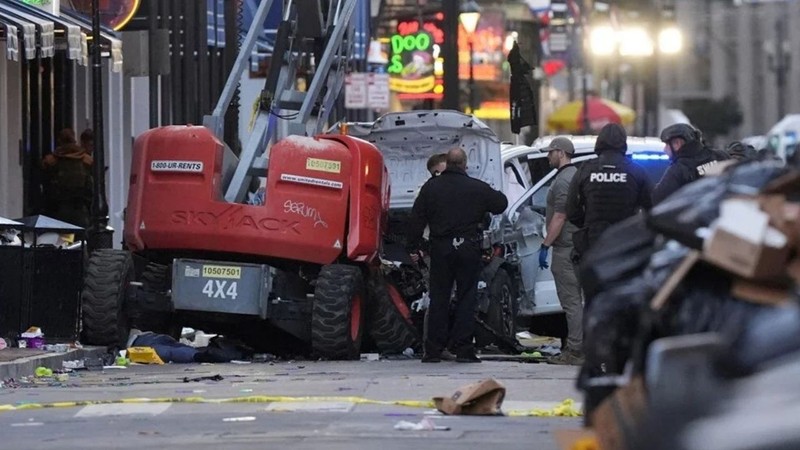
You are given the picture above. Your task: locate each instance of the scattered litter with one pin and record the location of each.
(144, 355)
(114, 367)
(27, 424)
(245, 390)
(3, 344)
(62, 377)
(41, 372)
(239, 419)
(370, 357)
(549, 350)
(264, 357)
(33, 337)
(236, 361)
(216, 377)
(524, 335)
(409, 352)
(56, 348)
(483, 398)
(535, 354)
(423, 425)
(75, 364)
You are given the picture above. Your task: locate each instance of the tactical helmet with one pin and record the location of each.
(681, 130)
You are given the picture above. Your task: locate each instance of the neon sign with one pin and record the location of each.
(420, 42)
(414, 64)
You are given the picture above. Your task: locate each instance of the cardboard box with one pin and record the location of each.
(743, 242)
(783, 215)
(483, 398)
(760, 293)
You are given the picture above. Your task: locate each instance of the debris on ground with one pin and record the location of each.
(483, 398)
(216, 377)
(425, 424)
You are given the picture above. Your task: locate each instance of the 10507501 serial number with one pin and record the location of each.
(229, 272)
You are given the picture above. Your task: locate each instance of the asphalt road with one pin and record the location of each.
(340, 414)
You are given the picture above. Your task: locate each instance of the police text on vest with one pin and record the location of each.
(608, 178)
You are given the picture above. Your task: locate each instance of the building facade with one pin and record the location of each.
(746, 50)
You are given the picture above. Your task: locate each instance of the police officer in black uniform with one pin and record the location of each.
(606, 190)
(690, 159)
(454, 206)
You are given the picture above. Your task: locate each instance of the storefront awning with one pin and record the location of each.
(75, 38)
(38, 29)
(107, 37)
(12, 41)
(35, 32)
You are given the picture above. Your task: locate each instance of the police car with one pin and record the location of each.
(526, 181)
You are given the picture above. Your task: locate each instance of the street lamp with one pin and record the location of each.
(670, 40)
(603, 40)
(469, 17)
(637, 43)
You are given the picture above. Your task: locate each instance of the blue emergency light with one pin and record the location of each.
(650, 157)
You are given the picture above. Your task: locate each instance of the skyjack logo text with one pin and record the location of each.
(233, 217)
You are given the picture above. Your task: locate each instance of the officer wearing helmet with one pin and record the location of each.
(690, 159)
(606, 190)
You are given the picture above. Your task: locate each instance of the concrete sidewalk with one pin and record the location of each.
(16, 363)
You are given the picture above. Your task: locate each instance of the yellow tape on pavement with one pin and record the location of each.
(564, 409)
(246, 399)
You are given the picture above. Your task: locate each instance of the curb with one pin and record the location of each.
(24, 367)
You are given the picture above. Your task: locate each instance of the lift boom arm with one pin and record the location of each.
(322, 28)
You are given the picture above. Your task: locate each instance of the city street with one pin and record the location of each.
(344, 410)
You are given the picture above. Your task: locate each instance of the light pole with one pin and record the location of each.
(778, 58)
(100, 235)
(469, 17)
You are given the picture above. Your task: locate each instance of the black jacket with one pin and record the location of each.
(688, 165)
(453, 205)
(607, 190)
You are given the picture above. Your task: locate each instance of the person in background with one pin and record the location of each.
(87, 141)
(68, 181)
(454, 205)
(559, 237)
(606, 190)
(437, 164)
(690, 159)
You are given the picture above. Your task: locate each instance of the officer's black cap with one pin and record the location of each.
(612, 137)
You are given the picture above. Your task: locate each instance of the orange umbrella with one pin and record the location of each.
(569, 118)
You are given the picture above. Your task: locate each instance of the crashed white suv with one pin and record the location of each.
(513, 292)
